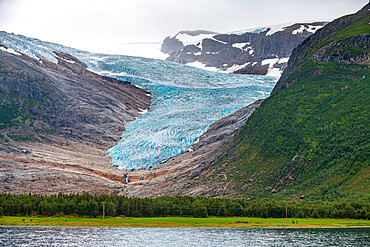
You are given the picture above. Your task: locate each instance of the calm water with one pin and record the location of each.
(79, 236)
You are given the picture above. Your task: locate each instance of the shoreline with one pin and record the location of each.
(201, 227)
(184, 222)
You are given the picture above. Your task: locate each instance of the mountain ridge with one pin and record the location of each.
(57, 120)
(309, 139)
(258, 51)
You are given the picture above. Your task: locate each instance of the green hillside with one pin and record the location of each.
(311, 137)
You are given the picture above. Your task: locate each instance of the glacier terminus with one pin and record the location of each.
(185, 100)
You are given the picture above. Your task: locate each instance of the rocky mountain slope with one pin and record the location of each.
(179, 175)
(310, 139)
(260, 51)
(57, 120)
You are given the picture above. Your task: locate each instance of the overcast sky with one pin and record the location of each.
(92, 24)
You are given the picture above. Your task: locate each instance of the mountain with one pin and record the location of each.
(308, 141)
(256, 51)
(310, 138)
(57, 120)
(64, 99)
(87, 136)
(180, 175)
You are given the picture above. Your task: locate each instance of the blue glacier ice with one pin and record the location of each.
(185, 100)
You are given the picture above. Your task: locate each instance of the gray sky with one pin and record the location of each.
(93, 25)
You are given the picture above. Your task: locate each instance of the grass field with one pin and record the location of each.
(237, 222)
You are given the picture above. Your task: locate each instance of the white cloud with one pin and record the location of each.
(90, 24)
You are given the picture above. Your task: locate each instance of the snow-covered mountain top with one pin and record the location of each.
(192, 37)
(240, 51)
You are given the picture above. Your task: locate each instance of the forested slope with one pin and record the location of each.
(310, 139)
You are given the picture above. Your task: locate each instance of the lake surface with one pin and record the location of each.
(94, 236)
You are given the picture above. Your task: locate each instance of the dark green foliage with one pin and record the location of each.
(311, 137)
(26, 101)
(86, 205)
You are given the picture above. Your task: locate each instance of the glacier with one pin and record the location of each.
(185, 100)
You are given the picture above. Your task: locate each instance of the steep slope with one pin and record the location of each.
(177, 175)
(310, 139)
(185, 100)
(56, 122)
(65, 99)
(259, 51)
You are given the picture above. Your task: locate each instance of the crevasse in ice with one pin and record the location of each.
(185, 100)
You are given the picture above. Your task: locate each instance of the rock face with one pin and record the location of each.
(57, 121)
(179, 175)
(66, 99)
(172, 44)
(347, 50)
(260, 52)
(310, 136)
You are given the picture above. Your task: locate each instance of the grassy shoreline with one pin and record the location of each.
(211, 222)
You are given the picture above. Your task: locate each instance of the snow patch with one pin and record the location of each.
(187, 39)
(68, 61)
(299, 30)
(236, 67)
(283, 60)
(200, 65)
(219, 41)
(309, 28)
(313, 29)
(278, 28)
(240, 45)
(142, 111)
(10, 50)
(270, 61)
(198, 53)
(274, 72)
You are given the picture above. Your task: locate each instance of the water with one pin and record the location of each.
(185, 100)
(94, 236)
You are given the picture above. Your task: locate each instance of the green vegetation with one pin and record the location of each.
(235, 222)
(86, 205)
(324, 126)
(341, 34)
(25, 101)
(311, 137)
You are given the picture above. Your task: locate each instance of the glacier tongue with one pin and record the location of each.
(185, 100)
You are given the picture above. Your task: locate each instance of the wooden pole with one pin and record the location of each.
(286, 214)
(103, 212)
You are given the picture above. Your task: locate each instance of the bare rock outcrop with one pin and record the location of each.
(245, 52)
(179, 175)
(57, 121)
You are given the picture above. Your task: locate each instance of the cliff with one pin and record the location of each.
(309, 139)
(260, 51)
(57, 120)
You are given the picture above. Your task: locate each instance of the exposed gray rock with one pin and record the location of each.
(241, 52)
(178, 176)
(40, 98)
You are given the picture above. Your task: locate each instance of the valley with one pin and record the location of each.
(70, 118)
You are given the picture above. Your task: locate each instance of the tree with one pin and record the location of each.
(200, 210)
(235, 209)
